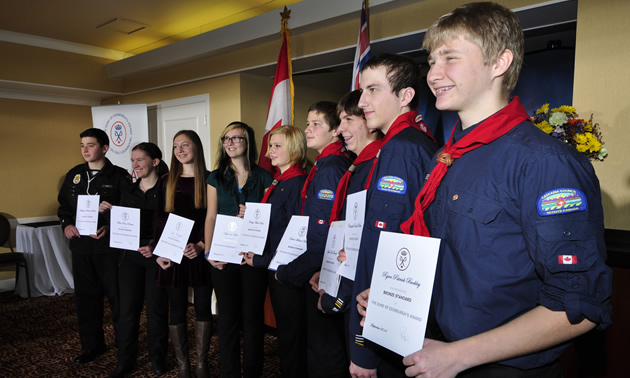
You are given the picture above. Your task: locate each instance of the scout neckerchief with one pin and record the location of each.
(335, 148)
(293, 171)
(486, 132)
(409, 119)
(368, 153)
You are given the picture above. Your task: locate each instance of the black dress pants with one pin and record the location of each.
(137, 282)
(289, 308)
(241, 291)
(326, 340)
(95, 277)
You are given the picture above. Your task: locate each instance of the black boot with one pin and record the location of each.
(179, 337)
(202, 338)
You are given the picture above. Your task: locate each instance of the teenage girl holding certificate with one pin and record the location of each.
(287, 151)
(240, 289)
(183, 192)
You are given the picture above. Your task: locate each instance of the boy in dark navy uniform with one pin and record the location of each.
(514, 282)
(389, 96)
(94, 263)
(326, 351)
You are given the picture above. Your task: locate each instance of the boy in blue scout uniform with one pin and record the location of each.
(389, 95)
(515, 280)
(94, 263)
(326, 350)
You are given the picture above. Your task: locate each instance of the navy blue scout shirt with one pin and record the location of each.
(318, 205)
(355, 184)
(286, 202)
(521, 224)
(397, 179)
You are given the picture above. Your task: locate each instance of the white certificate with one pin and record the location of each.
(124, 228)
(355, 217)
(174, 238)
(224, 247)
(87, 214)
(293, 242)
(400, 292)
(328, 277)
(255, 227)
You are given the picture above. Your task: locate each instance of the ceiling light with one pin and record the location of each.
(122, 25)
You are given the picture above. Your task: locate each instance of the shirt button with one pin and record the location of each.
(575, 285)
(455, 197)
(470, 209)
(567, 233)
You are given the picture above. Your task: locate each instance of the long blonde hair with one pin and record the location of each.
(199, 168)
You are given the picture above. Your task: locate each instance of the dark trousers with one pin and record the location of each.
(136, 279)
(95, 277)
(326, 340)
(178, 302)
(289, 307)
(241, 291)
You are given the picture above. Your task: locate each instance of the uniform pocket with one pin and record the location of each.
(568, 246)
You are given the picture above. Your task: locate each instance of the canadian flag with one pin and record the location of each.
(321, 221)
(281, 102)
(380, 224)
(567, 259)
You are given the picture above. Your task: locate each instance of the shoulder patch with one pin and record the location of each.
(561, 201)
(76, 179)
(326, 194)
(392, 184)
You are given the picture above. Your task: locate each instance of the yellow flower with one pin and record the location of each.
(581, 147)
(588, 127)
(545, 126)
(593, 144)
(543, 109)
(581, 138)
(565, 109)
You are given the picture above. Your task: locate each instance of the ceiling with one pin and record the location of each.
(162, 22)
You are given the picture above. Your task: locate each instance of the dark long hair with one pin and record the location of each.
(177, 169)
(223, 159)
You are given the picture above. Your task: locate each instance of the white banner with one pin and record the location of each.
(126, 126)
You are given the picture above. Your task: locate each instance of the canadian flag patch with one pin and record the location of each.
(380, 224)
(321, 221)
(567, 259)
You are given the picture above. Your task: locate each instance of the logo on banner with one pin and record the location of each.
(120, 132)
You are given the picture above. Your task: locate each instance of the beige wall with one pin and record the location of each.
(602, 79)
(39, 143)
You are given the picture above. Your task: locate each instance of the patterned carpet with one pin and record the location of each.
(39, 338)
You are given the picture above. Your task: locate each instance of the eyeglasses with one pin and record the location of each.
(234, 139)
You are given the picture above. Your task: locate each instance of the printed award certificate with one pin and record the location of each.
(328, 277)
(355, 217)
(400, 292)
(224, 247)
(174, 238)
(255, 227)
(293, 242)
(124, 228)
(87, 214)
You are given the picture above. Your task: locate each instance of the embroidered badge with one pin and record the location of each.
(326, 194)
(380, 224)
(567, 259)
(321, 221)
(561, 201)
(418, 118)
(392, 184)
(76, 179)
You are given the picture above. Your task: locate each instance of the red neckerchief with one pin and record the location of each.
(409, 119)
(293, 171)
(335, 148)
(368, 153)
(486, 132)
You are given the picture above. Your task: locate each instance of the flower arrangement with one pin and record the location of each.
(563, 124)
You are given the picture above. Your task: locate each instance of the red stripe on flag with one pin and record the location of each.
(362, 53)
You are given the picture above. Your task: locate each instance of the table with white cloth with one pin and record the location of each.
(47, 253)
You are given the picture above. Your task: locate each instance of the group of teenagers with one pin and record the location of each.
(506, 299)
